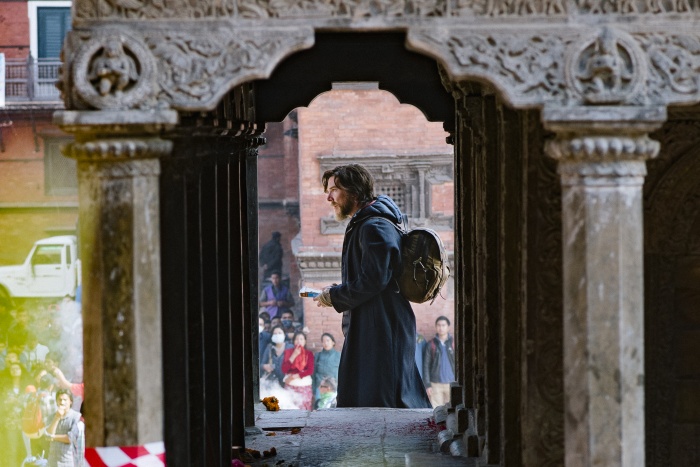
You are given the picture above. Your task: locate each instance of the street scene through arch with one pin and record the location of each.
(411, 162)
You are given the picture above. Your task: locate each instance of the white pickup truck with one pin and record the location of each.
(51, 270)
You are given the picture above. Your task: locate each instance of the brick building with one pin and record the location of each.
(409, 158)
(38, 186)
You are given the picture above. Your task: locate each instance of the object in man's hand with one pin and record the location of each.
(308, 292)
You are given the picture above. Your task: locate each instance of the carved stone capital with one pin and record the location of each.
(602, 148)
(602, 159)
(118, 149)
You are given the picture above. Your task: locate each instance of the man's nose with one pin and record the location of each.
(329, 197)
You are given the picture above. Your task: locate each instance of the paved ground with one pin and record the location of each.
(348, 437)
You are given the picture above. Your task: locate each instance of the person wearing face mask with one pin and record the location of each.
(289, 325)
(263, 338)
(298, 366)
(64, 433)
(271, 366)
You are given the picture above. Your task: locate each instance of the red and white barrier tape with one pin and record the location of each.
(148, 455)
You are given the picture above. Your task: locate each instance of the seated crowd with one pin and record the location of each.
(41, 388)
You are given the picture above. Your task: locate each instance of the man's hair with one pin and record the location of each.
(66, 392)
(287, 312)
(354, 179)
(442, 318)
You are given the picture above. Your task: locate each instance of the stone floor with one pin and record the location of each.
(363, 437)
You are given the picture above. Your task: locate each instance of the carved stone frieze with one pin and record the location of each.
(368, 9)
(195, 66)
(527, 68)
(191, 65)
(674, 66)
(197, 69)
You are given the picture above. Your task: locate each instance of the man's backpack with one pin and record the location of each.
(32, 421)
(425, 264)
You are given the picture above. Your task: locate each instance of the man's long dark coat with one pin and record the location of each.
(377, 364)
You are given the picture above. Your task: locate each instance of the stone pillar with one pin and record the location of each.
(602, 169)
(118, 172)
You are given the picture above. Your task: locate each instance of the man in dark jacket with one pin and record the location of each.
(439, 363)
(377, 363)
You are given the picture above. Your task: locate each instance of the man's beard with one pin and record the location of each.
(343, 210)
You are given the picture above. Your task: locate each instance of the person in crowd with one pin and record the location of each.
(439, 363)
(77, 389)
(271, 256)
(264, 337)
(34, 352)
(11, 356)
(266, 319)
(6, 319)
(276, 321)
(13, 385)
(64, 432)
(276, 297)
(325, 363)
(298, 366)
(271, 362)
(328, 391)
(17, 333)
(290, 325)
(378, 322)
(45, 397)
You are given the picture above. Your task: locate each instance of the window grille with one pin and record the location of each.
(394, 191)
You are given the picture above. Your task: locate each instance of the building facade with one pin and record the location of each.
(38, 186)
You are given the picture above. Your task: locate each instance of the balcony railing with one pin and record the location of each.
(31, 79)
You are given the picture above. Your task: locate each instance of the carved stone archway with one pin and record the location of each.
(601, 74)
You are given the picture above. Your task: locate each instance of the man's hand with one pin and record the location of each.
(324, 298)
(61, 411)
(429, 391)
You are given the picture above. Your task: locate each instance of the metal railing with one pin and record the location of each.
(31, 79)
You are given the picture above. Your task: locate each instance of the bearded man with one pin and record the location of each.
(377, 363)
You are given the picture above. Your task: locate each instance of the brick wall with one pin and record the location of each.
(27, 213)
(14, 29)
(278, 194)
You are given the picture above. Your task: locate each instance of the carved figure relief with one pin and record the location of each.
(606, 69)
(112, 70)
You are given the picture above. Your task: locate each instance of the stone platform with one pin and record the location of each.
(360, 437)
